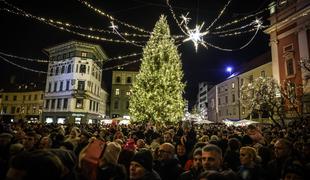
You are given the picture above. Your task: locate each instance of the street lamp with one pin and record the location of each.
(229, 69)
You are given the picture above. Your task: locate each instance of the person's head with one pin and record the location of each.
(84, 137)
(5, 139)
(141, 163)
(111, 153)
(197, 161)
(166, 151)
(212, 157)
(294, 171)
(45, 143)
(39, 164)
(140, 143)
(234, 144)
(282, 148)
(181, 150)
(248, 155)
(75, 132)
(168, 137)
(29, 141)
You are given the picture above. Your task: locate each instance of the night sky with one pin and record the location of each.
(27, 38)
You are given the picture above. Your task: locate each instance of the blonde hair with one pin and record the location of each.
(251, 152)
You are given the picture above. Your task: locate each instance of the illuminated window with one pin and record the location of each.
(233, 85)
(78, 120)
(128, 93)
(116, 92)
(60, 120)
(49, 120)
(84, 54)
(79, 103)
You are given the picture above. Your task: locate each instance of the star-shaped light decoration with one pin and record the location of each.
(258, 23)
(196, 36)
(113, 27)
(185, 19)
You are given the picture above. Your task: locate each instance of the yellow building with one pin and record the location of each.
(223, 98)
(21, 104)
(120, 92)
(245, 78)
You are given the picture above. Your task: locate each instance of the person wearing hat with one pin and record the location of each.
(141, 166)
(109, 168)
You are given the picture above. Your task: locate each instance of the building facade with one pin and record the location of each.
(202, 98)
(73, 92)
(21, 104)
(223, 98)
(289, 40)
(245, 78)
(120, 92)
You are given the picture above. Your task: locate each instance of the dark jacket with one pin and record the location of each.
(151, 176)
(168, 169)
(192, 174)
(112, 171)
(252, 173)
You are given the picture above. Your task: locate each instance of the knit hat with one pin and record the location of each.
(144, 158)
(112, 152)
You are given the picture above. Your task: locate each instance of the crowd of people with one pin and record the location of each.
(185, 151)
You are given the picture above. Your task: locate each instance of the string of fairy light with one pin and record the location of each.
(52, 74)
(47, 61)
(196, 34)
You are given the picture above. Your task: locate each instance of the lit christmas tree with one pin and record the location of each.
(157, 92)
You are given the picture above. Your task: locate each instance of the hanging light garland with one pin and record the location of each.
(47, 61)
(112, 18)
(197, 34)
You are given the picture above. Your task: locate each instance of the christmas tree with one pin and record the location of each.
(157, 91)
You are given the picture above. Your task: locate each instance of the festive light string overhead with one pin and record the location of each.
(52, 74)
(47, 61)
(112, 18)
(197, 34)
(63, 27)
(23, 67)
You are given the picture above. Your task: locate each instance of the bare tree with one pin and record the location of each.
(264, 95)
